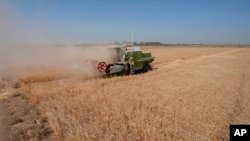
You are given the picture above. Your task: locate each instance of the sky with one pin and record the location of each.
(106, 21)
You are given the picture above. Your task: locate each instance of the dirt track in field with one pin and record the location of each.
(18, 119)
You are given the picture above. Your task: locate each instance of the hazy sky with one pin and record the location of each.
(102, 21)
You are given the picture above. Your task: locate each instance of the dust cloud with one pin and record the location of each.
(26, 50)
(78, 61)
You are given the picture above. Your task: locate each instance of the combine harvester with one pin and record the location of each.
(127, 60)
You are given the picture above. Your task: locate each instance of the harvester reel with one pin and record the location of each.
(102, 67)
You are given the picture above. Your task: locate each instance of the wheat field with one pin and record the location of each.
(196, 97)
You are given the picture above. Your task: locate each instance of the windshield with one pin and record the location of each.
(117, 53)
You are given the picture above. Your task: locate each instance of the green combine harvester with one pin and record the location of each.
(127, 60)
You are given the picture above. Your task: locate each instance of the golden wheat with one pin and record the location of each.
(191, 101)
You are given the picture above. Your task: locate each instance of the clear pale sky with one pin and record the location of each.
(102, 21)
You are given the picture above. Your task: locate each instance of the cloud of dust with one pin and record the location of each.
(22, 61)
(24, 50)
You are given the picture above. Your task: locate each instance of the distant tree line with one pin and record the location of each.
(179, 44)
(161, 44)
(141, 43)
(149, 44)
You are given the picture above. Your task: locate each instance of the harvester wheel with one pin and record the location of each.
(101, 66)
(147, 68)
(127, 71)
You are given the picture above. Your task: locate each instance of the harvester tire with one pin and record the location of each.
(127, 71)
(147, 68)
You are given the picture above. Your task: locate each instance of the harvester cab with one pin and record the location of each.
(127, 60)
